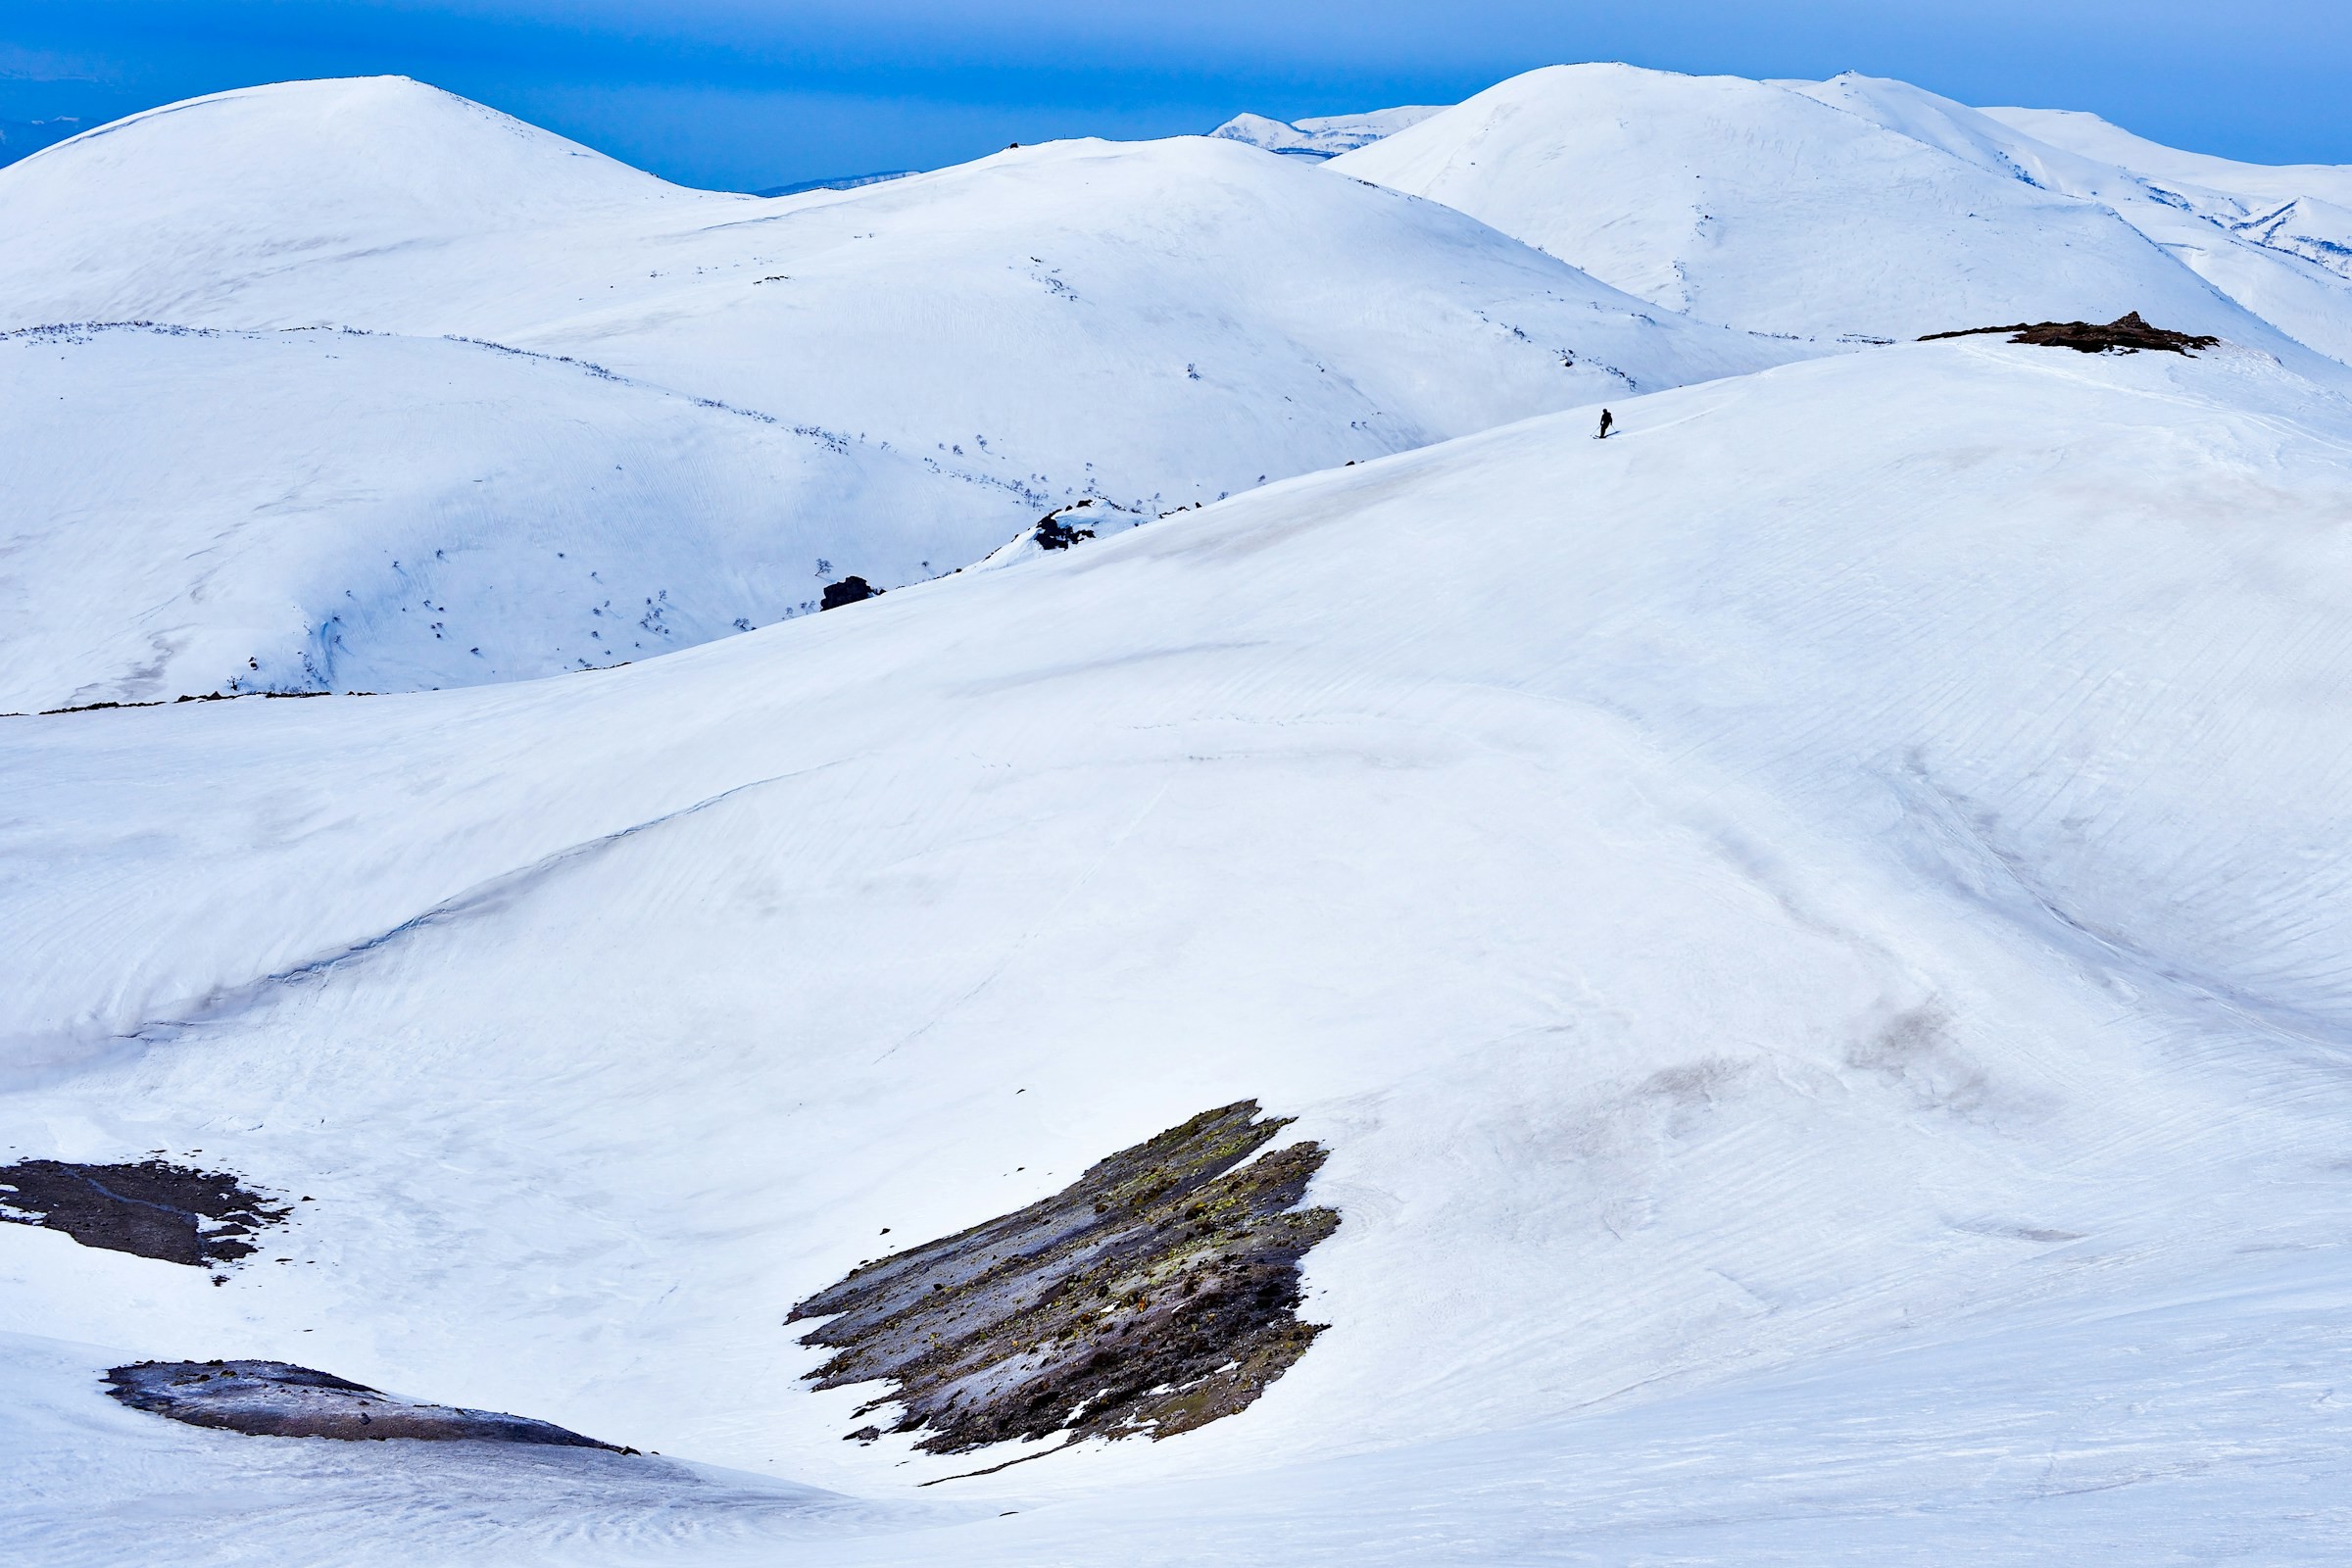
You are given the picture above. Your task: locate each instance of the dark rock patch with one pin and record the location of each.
(1156, 1293)
(848, 591)
(1053, 533)
(171, 1212)
(2125, 334)
(277, 1399)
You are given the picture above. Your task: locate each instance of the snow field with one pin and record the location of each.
(1845, 866)
(1157, 325)
(2283, 256)
(1800, 208)
(316, 511)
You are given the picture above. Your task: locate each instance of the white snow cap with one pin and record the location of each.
(1758, 205)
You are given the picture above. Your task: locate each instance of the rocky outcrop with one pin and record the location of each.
(277, 1399)
(1156, 1293)
(2125, 334)
(149, 1208)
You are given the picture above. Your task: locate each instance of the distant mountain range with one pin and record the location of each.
(22, 138)
(1326, 136)
(836, 182)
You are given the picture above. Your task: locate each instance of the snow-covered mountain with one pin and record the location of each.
(1759, 204)
(1157, 323)
(1842, 874)
(1804, 940)
(2284, 254)
(193, 510)
(1324, 135)
(2253, 185)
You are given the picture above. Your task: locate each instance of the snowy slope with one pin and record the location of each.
(269, 181)
(2282, 253)
(1753, 204)
(1158, 323)
(2256, 185)
(1821, 907)
(1183, 315)
(2302, 212)
(194, 510)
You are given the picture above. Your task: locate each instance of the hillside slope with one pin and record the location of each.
(192, 512)
(1749, 203)
(1180, 317)
(1821, 907)
(2269, 242)
(1158, 324)
(2255, 184)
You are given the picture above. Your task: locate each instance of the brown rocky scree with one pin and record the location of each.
(1157, 1292)
(150, 1208)
(2125, 334)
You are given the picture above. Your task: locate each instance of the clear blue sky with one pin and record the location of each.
(745, 93)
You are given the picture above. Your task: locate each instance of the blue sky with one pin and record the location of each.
(745, 93)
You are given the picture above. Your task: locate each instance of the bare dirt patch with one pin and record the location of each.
(277, 1399)
(2125, 334)
(152, 1209)
(1156, 1293)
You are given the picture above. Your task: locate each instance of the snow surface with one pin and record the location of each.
(199, 511)
(1812, 929)
(1156, 323)
(2285, 257)
(2095, 138)
(1762, 205)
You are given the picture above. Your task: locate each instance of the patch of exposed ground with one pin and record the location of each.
(1156, 1293)
(848, 591)
(196, 1217)
(276, 1399)
(2125, 334)
(1052, 533)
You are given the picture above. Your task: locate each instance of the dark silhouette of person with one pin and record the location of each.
(1606, 419)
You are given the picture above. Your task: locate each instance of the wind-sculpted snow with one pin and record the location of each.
(1755, 203)
(1811, 932)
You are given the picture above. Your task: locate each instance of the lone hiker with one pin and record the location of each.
(1606, 419)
